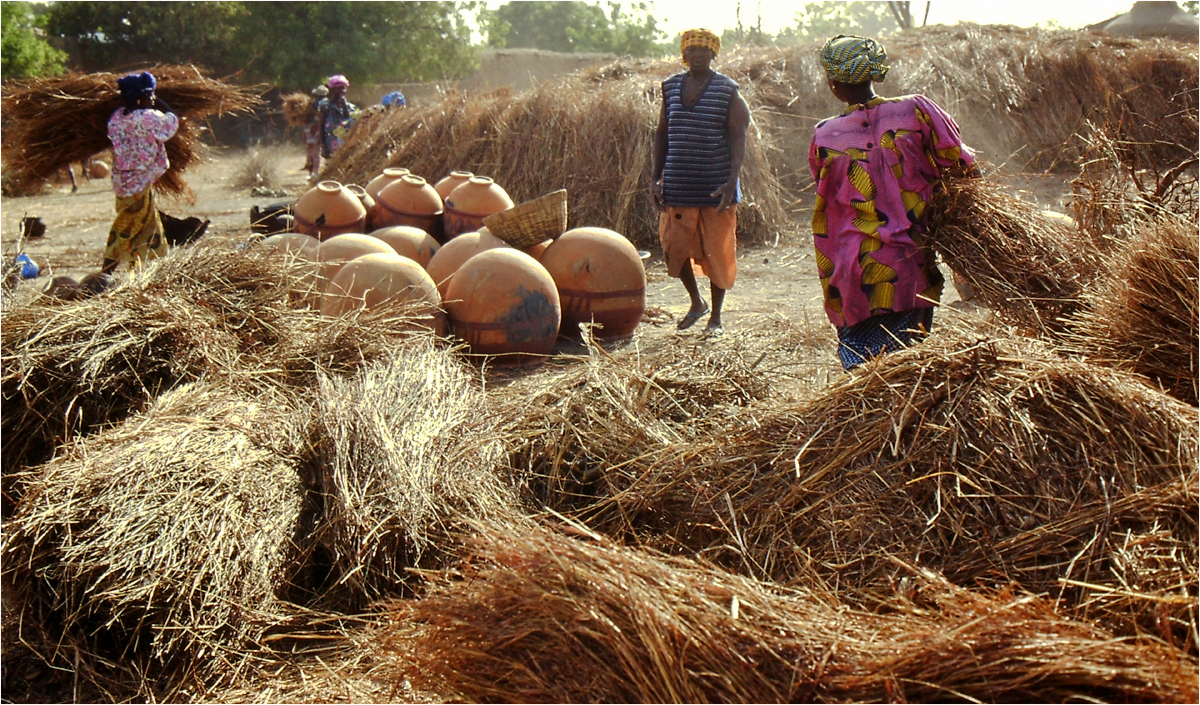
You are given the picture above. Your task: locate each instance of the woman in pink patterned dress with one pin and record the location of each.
(138, 133)
(875, 166)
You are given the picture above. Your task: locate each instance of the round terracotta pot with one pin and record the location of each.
(329, 209)
(450, 182)
(389, 174)
(337, 251)
(537, 250)
(502, 302)
(385, 281)
(409, 201)
(470, 202)
(367, 201)
(99, 169)
(302, 252)
(447, 260)
(410, 242)
(600, 279)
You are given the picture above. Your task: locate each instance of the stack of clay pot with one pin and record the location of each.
(469, 203)
(409, 200)
(383, 280)
(600, 279)
(329, 209)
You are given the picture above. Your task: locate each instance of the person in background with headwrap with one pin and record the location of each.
(336, 115)
(312, 133)
(875, 166)
(698, 151)
(138, 133)
(395, 99)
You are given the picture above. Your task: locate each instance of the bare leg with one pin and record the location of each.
(108, 266)
(718, 300)
(699, 307)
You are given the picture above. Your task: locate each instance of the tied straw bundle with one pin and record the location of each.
(541, 617)
(53, 122)
(295, 108)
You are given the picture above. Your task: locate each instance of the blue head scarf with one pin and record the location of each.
(394, 98)
(136, 85)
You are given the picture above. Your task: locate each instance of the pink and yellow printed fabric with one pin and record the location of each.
(139, 151)
(875, 166)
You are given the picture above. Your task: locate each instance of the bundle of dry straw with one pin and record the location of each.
(595, 140)
(157, 551)
(1029, 268)
(402, 458)
(989, 459)
(53, 122)
(295, 108)
(1143, 314)
(539, 617)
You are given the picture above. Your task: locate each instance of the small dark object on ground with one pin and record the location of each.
(182, 231)
(32, 227)
(272, 219)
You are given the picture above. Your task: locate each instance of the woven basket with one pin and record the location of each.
(532, 222)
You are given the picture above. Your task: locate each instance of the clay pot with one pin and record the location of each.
(337, 251)
(537, 250)
(600, 279)
(293, 243)
(381, 281)
(302, 251)
(447, 260)
(367, 201)
(450, 182)
(99, 169)
(329, 209)
(502, 302)
(409, 201)
(390, 174)
(470, 202)
(410, 242)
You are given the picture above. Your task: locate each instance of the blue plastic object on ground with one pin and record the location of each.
(29, 268)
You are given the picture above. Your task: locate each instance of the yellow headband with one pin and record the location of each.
(700, 38)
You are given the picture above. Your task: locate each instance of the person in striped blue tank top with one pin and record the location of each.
(698, 151)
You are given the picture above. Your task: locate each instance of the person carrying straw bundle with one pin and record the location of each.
(698, 150)
(138, 133)
(313, 132)
(337, 115)
(875, 166)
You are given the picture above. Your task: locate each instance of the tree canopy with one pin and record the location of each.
(576, 27)
(23, 53)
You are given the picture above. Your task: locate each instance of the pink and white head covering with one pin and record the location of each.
(338, 81)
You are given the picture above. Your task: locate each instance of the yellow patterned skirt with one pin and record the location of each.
(137, 233)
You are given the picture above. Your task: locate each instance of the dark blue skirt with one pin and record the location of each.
(879, 334)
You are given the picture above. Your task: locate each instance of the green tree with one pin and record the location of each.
(575, 27)
(1191, 6)
(23, 53)
(821, 20)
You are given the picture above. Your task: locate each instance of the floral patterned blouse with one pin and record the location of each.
(139, 154)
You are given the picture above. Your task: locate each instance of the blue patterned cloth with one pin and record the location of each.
(879, 334)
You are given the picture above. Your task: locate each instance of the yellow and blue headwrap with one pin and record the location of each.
(700, 38)
(851, 59)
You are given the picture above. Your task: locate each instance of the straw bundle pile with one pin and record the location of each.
(1030, 269)
(402, 457)
(595, 140)
(53, 122)
(156, 550)
(987, 459)
(539, 617)
(295, 108)
(1142, 315)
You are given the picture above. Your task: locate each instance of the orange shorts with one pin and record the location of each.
(706, 237)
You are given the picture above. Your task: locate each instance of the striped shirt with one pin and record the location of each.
(698, 150)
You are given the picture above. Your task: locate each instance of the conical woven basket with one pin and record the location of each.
(529, 223)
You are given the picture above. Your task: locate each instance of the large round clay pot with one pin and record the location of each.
(298, 244)
(536, 251)
(329, 209)
(502, 302)
(368, 202)
(389, 174)
(302, 250)
(600, 279)
(381, 281)
(450, 182)
(413, 243)
(470, 202)
(335, 252)
(409, 201)
(99, 169)
(446, 261)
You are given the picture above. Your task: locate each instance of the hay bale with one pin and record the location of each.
(539, 617)
(595, 140)
(52, 122)
(403, 457)
(158, 551)
(295, 109)
(1029, 268)
(1142, 314)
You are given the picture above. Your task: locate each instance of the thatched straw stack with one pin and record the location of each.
(53, 122)
(595, 140)
(295, 108)
(158, 550)
(403, 456)
(1143, 314)
(539, 617)
(1029, 268)
(989, 459)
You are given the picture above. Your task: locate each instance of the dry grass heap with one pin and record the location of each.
(403, 457)
(539, 617)
(1029, 268)
(295, 109)
(53, 122)
(595, 140)
(991, 460)
(154, 552)
(1144, 313)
